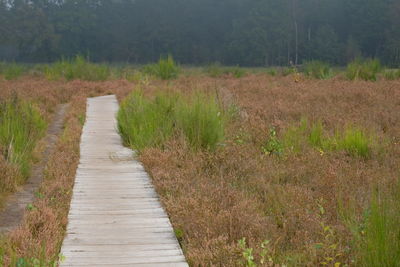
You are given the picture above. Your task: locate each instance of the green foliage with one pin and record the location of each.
(150, 123)
(318, 70)
(273, 145)
(380, 240)
(247, 253)
(366, 70)
(11, 71)
(391, 74)
(248, 258)
(21, 126)
(201, 121)
(77, 69)
(165, 69)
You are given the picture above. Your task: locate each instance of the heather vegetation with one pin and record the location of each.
(286, 182)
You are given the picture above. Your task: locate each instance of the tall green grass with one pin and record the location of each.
(145, 122)
(21, 126)
(353, 140)
(11, 71)
(376, 234)
(165, 69)
(379, 245)
(201, 120)
(77, 69)
(364, 69)
(318, 70)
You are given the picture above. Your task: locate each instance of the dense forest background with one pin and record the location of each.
(232, 32)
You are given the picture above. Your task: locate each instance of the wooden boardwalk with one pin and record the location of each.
(115, 217)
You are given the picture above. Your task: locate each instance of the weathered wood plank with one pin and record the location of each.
(115, 216)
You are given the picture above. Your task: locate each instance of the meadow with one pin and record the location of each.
(255, 167)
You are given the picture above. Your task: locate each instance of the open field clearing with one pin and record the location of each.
(253, 169)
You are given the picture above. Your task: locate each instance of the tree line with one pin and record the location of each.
(232, 32)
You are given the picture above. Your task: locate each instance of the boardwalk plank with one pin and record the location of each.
(115, 216)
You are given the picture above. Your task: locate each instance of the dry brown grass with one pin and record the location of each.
(216, 198)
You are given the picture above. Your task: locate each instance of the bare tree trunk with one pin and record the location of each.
(296, 31)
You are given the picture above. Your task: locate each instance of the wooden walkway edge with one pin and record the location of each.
(115, 218)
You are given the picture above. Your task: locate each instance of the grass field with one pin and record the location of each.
(303, 173)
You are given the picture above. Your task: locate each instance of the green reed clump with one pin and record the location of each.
(376, 236)
(318, 70)
(77, 69)
(381, 244)
(21, 126)
(145, 122)
(364, 69)
(353, 140)
(165, 69)
(201, 120)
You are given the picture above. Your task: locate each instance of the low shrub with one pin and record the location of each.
(366, 70)
(318, 70)
(146, 122)
(165, 69)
